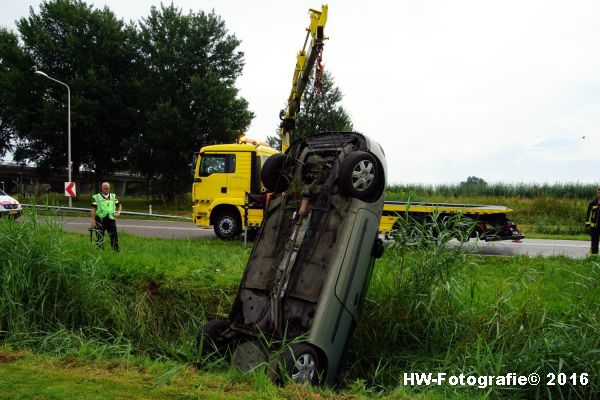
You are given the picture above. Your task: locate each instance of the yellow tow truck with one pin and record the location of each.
(228, 195)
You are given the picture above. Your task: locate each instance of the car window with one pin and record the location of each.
(217, 163)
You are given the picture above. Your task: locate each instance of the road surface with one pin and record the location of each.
(185, 230)
(141, 227)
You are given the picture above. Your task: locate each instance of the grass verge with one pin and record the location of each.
(429, 308)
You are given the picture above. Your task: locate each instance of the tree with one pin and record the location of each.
(12, 62)
(473, 180)
(320, 111)
(189, 97)
(91, 51)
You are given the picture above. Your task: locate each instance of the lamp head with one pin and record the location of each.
(41, 73)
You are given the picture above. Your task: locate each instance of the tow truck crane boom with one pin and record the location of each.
(304, 65)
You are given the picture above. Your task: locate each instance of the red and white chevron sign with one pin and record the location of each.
(70, 190)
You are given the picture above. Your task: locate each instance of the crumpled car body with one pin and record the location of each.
(312, 259)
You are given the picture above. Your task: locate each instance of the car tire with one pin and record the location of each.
(228, 225)
(271, 174)
(359, 175)
(249, 355)
(210, 341)
(299, 363)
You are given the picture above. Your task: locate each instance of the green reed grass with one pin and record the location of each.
(431, 306)
(434, 308)
(567, 190)
(57, 292)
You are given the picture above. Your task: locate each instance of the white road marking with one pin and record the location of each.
(539, 244)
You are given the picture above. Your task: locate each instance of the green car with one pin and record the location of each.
(312, 259)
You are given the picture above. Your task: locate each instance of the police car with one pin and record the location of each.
(9, 206)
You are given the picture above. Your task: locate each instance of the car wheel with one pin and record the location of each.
(271, 174)
(228, 225)
(359, 174)
(210, 341)
(299, 363)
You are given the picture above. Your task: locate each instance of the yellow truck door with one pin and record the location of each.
(213, 176)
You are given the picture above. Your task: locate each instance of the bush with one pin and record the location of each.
(428, 310)
(56, 290)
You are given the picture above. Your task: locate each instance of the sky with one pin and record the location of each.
(508, 91)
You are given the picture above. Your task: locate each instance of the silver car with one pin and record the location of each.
(310, 266)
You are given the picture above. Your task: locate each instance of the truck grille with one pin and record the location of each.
(10, 206)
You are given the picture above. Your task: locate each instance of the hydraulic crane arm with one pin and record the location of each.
(305, 62)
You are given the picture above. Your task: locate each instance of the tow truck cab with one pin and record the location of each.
(223, 176)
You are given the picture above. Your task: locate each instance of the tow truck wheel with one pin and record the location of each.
(299, 363)
(358, 175)
(271, 175)
(228, 225)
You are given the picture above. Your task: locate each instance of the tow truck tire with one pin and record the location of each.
(359, 175)
(271, 175)
(228, 225)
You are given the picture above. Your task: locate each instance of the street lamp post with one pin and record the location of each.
(69, 168)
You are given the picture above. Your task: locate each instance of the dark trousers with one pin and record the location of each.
(595, 234)
(107, 225)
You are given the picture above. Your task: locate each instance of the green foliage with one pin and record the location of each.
(320, 111)
(188, 94)
(431, 307)
(90, 50)
(473, 180)
(143, 98)
(12, 60)
(58, 295)
(568, 190)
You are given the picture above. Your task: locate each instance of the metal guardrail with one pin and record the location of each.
(87, 210)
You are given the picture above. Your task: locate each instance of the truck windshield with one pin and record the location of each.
(2, 193)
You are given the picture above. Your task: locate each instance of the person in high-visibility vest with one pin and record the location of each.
(592, 221)
(105, 208)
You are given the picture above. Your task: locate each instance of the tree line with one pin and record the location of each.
(144, 96)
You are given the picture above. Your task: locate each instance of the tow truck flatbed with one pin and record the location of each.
(490, 221)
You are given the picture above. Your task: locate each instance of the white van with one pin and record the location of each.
(9, 206)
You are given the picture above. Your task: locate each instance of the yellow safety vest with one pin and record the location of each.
(593, 219)
(105, 206)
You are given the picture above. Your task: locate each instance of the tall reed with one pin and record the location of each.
(56, 291)
(427, 311)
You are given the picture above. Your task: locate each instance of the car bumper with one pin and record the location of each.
(11, 213)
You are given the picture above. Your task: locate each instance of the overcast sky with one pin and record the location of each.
(505, 90)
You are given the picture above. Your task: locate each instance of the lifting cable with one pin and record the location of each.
(319, 71)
